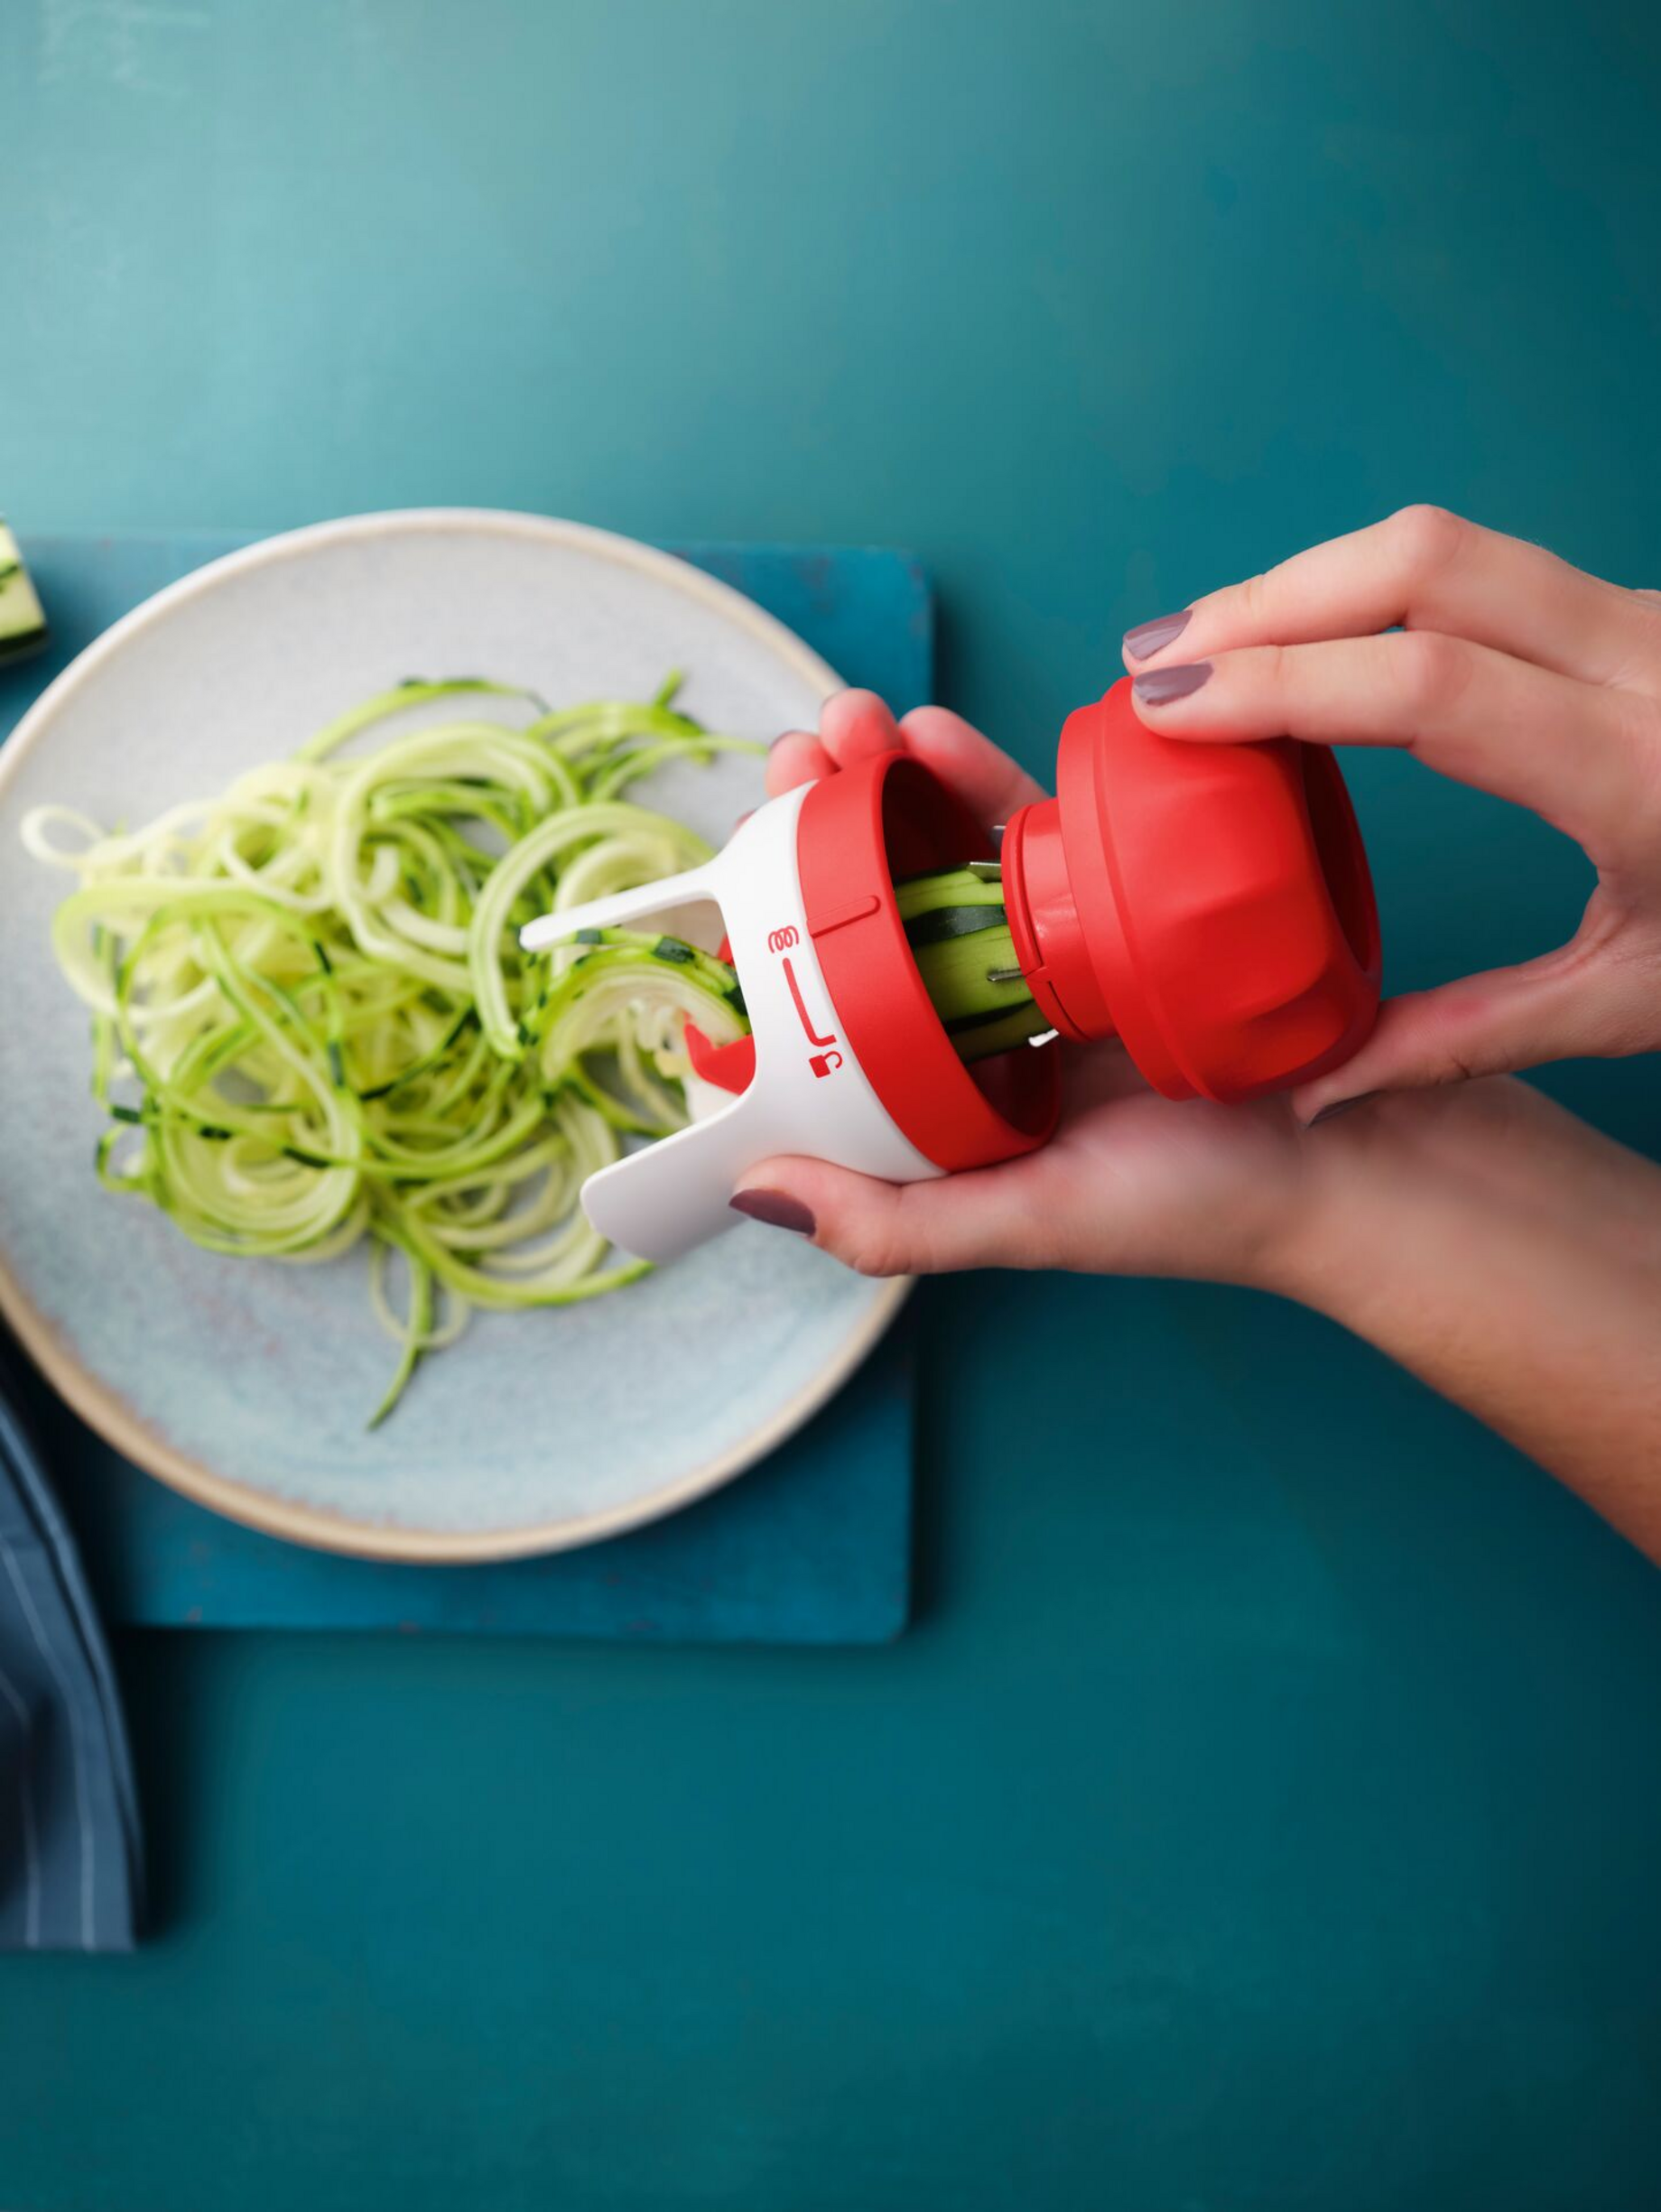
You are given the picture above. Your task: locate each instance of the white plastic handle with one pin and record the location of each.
(809, 1093)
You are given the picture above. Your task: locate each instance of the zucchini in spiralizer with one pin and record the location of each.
(23, 624)
(312, 1024)
(959, 933)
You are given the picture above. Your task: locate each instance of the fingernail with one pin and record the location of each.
(1150, 637)
(776, 1210)
(1160, 686)
(1339, 1106)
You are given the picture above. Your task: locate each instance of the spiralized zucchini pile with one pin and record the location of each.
(312, 1024)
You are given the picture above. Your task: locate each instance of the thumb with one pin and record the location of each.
(971, 1219)
(1485, 1024)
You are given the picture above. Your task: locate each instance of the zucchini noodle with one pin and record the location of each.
(312, 1025)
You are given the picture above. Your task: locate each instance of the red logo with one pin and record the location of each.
(825, 1061)
(813, 1037)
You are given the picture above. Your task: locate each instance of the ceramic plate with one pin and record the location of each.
(246, 1384)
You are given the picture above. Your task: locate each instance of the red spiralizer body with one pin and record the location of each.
(1208, 905)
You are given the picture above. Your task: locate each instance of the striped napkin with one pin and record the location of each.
(72, 1857)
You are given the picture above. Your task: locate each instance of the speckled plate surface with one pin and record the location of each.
(246, 1385)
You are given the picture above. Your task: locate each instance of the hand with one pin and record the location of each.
(1130, 1184)
(1509, 670)
(1499, 1250)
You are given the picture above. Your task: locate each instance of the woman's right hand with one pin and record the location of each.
(1498, 664)
(1479, 1235)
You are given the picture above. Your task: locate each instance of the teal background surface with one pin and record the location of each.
(1265, 1809)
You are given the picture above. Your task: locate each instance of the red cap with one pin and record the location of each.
(1210, 904)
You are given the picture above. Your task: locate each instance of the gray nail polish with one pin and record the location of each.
(1150, 637)
(1159, 686)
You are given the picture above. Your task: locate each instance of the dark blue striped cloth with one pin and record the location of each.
(71, 1858)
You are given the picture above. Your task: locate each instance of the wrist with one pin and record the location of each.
(1381, 1181)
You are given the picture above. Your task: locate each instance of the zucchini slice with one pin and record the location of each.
(23, 624)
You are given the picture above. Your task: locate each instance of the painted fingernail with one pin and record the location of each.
(1339, 1106)
(1150, 637)
(1160, 686)
(776, 1210)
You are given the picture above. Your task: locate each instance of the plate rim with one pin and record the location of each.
(105, 1411)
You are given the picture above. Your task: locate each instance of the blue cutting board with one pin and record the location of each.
(812, 1546)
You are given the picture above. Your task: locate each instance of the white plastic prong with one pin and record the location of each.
(613, 912)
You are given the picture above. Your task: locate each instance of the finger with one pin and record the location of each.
(1580, 755)
(974, 1220)
(854, 725)
(1425, 570)
(1485, 1025)
(796, 758)
(988, 782)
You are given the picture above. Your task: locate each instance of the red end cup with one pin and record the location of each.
(1209, 903)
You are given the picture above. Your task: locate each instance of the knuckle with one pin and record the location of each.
(1278, 668)
(1454, 1052)
(1252, 593)
(1640, 667)
(1426, 539)
(910, 1236)
(1635, 727)
(1430, 671)
(1626, 997)
(875, 1251)
(1636, 722)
